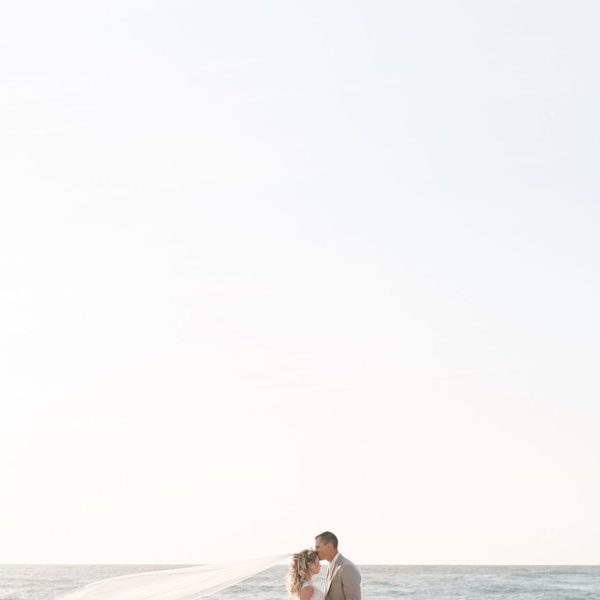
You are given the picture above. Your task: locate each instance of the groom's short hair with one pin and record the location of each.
(328, 538)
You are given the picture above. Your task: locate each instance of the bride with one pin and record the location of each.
(304, 566)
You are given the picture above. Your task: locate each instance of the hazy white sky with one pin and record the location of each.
(269, 268)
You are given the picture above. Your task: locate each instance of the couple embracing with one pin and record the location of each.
(343, 578)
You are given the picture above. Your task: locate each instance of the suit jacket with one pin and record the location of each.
(344, 582)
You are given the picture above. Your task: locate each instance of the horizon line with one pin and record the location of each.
(364, 564)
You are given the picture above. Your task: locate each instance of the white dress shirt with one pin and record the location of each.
(331, 567)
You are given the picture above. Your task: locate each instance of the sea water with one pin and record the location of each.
(49, 582)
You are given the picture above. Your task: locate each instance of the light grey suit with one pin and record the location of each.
(344, 582)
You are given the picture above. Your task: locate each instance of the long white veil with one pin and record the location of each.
(187, 583)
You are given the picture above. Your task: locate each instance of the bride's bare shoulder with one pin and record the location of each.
(307, 591)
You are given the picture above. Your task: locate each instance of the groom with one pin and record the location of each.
(343, 578)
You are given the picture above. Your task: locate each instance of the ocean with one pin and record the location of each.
(49, 582)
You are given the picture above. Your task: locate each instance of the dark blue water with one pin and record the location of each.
(48, 582)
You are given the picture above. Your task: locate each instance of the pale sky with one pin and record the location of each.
(270, 268)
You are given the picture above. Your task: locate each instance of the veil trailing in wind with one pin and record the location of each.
(187, 583)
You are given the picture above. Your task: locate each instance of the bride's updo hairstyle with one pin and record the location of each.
(299, 569)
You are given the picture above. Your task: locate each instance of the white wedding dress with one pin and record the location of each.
(317, 594)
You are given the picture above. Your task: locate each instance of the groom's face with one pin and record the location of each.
(325, 551)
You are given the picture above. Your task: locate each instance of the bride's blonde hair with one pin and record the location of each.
(299, 569)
